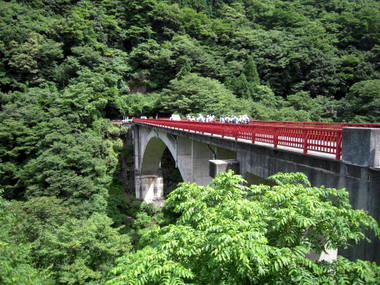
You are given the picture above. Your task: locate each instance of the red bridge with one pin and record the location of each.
(306, 136)
(339, 155)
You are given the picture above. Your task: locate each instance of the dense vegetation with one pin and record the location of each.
(226, 233)
(272, 59)
(67, 67)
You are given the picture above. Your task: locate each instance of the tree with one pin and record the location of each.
(196, 94)
(246, 85)
(162, 62)
(67, 67)
(74, 168)
(49, 239)
(250, 71)
(318, 109)
(22, 115)
(227, 233)
(363, 102)
(137, 104)
(240, 86)
(80, 250)
(16, 265)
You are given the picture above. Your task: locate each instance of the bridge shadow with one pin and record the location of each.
(253, 179)
(170, 173)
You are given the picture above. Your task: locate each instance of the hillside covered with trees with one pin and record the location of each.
(67, 67)
(285, 60)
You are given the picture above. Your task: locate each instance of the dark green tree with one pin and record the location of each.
(250, 71)
(16, 264)
(363, 102)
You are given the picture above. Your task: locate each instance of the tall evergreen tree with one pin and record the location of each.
(250, 71)
(243, 87)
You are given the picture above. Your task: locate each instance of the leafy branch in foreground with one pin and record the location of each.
(227, 233)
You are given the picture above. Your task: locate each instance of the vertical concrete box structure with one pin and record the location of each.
(360, 171)
(361, 147)
(221, 165)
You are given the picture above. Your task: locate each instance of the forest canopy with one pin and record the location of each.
(261, 51)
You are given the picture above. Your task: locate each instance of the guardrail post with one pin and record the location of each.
(305, 140)
(275, 137)
(338, 147)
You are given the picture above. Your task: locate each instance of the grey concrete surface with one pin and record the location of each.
(222, 165)
(361, 146)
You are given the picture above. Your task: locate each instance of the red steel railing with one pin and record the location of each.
(329, 125)
(317, 137)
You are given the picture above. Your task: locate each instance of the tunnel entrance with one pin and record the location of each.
(170, 173)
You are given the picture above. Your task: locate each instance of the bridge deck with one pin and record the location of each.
(322, 139)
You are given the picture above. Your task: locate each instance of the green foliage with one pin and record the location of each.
(318, 109)
(136, 104)
(196, 94)
(75, 169)
(363, 102)
(247, 84)
(227, 233)
(146, 218)
(16, 265)
(81, 250)
(295, 207)
(163, 62)
(250, 72)
(159, 269)
(298, 46)
(20, 135)
(72, 250)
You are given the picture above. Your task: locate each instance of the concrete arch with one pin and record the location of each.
(191, 159)
(149, 182)
(152, 150)
(170, 143)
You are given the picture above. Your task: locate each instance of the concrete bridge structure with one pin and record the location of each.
(335, 155)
